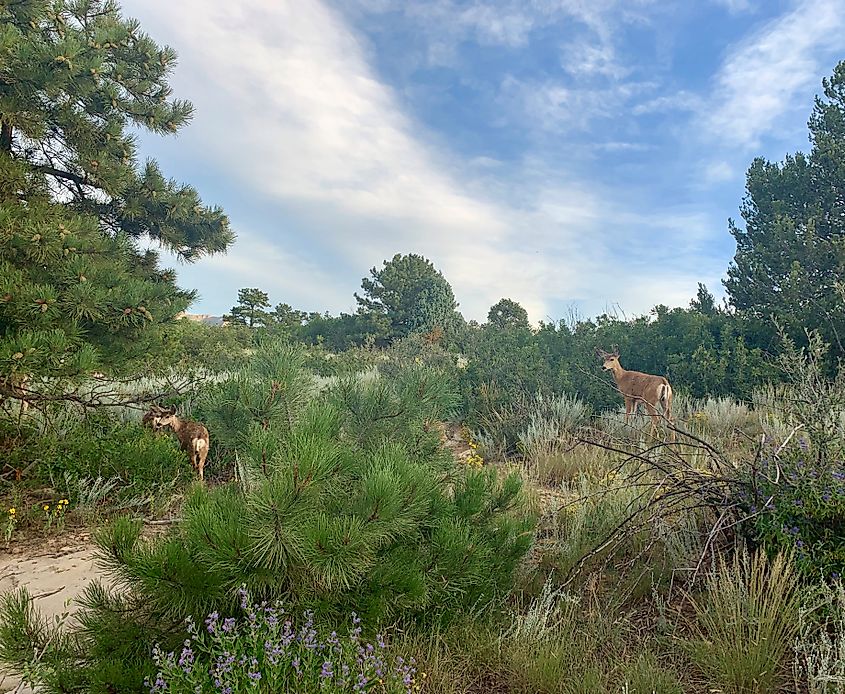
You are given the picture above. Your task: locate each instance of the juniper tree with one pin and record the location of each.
(77, 289)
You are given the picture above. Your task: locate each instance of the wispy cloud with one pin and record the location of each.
(761, 78)
(557, 107)
(737, 6)
(291, 107)
(679, 101)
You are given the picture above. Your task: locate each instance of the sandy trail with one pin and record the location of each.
(55, 571)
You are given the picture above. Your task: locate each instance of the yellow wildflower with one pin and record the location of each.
(12, 511)
(46, 507)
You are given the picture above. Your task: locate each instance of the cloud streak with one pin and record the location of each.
(292, 108)
(761, 78)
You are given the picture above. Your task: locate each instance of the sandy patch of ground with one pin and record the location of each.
(55, 571)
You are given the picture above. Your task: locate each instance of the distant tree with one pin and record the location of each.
(411, 293)
(790, 257)
(507, 313)
(338, 333)
(250, 309)
(284, 316)
(77, 290)
(704, 302)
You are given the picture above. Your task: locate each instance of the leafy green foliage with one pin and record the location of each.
(801, 509)
(137, 463)
(797, 489)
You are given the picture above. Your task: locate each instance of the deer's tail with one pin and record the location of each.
(666, 399)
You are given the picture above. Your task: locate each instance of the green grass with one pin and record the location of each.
(746, 624)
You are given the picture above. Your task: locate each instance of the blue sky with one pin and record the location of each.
(568, 154)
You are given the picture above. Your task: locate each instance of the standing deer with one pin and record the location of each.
(640, 389)
(193, 436)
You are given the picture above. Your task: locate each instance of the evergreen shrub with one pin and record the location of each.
(348, 504)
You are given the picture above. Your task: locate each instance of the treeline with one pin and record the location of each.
(785, 279)
(704, 349)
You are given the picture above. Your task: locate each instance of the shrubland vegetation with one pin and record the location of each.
(400, 500)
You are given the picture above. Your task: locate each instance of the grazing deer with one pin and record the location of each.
(640, 389)
(193, 436)
(152, 417)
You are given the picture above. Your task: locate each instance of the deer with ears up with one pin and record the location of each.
(193, 436)
(639, 388)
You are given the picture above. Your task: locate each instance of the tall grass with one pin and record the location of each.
(746, 624)
(819, 663)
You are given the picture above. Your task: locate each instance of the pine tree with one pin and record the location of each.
(251, 308)
(790, 256)
(76, 290)
(348, 503)
(507, 313)
(412, 294)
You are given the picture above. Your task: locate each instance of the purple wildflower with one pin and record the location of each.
(326, 672)
(211, 622)
(228, 624)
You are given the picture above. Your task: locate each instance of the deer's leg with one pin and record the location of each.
(629, 405)
(652, 412)
(201, 454)
(668, 414)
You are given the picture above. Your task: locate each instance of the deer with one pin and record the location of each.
(640, 389)
(152, 417)
(193, 436)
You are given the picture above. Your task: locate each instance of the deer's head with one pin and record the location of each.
(154, 416)
(610, 360)
(167, 418)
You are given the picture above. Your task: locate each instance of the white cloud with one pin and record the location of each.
(718, 172)
(737, 6)
(289, 107)
(761, 79)
(679, 101)
(556, 107)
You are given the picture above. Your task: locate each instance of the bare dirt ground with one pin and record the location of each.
(55, 570)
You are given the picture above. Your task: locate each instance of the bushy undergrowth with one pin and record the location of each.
(349, 504)
(101, 461)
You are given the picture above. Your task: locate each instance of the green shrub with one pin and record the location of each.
(136, 462)
(746, 624)
(350, 506)
(798, 506)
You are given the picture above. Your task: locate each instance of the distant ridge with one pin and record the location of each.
(206, 318)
